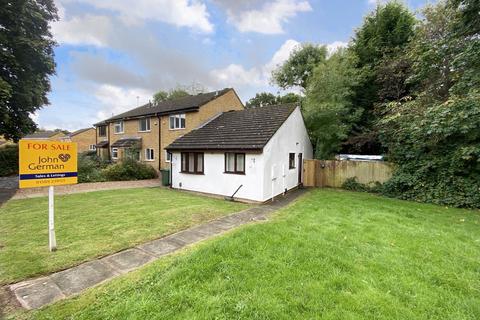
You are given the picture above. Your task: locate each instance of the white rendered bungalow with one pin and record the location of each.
(253, 154)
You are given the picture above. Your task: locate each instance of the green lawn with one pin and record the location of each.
(331, 255)
(94, 224)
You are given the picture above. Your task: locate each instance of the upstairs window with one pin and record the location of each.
(144, 124)
(192, 162)
(235, 163)
(102, 131)
(177, 121)
(291, 160)
(118, 127)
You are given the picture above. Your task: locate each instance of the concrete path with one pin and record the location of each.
(35, 293)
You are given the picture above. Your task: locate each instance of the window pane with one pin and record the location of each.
(177, 122)
(191, 162)
(240, 162)
(184, 162)
(230, 163)
(172, 122)
(182, 121)
(147, 124)
(199, 162)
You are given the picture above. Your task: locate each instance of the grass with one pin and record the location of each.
(93, 224)
(331, 255)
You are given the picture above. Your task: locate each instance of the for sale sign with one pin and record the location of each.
(47, 163)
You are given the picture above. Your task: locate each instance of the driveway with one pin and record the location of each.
(8, 187)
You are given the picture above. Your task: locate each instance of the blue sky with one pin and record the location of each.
(114, 54)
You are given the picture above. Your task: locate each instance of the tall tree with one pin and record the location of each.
(296, 71)
(328, 109)
(26, 59)
(382, 37)
(263, 99)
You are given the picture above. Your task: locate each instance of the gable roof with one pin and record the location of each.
(188, 103)
(42, 134)
(80, 131)
(248, 129)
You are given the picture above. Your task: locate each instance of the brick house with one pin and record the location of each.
(145, 132)
(85, 139)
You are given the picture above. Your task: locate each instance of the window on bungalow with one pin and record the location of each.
(144, 124)
(291, 160)
(102, 131)
(192, 162)
(177, 121)
(235, 162)
(118, 127)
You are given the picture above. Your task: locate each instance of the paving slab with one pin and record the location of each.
(187, 236)
(86, 275)
(128, 260)
(160, 247)
(34, 294)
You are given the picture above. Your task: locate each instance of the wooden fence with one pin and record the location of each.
(333, 173)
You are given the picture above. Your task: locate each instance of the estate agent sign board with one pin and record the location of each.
(47, 163)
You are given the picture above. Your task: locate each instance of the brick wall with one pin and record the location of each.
(84, 140)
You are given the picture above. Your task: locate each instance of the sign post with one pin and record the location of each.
(47, 163)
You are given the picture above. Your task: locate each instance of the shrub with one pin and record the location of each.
(90, 167)
(352, 184)
(129, 169)
(8, 160)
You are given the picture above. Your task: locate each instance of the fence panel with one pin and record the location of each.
(333, 173)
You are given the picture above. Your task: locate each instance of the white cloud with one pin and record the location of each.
(334, 46)
(269, 18)
(83, 30)
(182, 13)
(237, 75)
(115, 100)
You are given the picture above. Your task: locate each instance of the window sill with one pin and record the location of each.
(195, 173)
(144, 131)
(176, 129)
(119, 132)
(240, 173)
(149, 160)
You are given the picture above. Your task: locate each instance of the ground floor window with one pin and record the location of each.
(149, 154)
(92, 147)
(192, 162)
(114, 153)
(168, 156)
(291, 161)
(235, 162)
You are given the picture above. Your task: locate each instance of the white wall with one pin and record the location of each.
(215, 181)
(257, 181)
(291, 137)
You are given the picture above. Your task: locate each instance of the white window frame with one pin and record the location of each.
(149, 152)
(148, 128)
(167, 155)
(92, 147)
(180, 117)
(120, 124)
(114, 150)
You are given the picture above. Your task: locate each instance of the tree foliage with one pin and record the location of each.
(26, 57)
(328, 109)
(263, 99)
(170, 95)
(296, 71)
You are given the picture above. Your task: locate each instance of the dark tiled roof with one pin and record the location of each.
(102, 144)
(79, 131)
(248, 129)
(192, 102)
(41, 135)
(126, 143)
